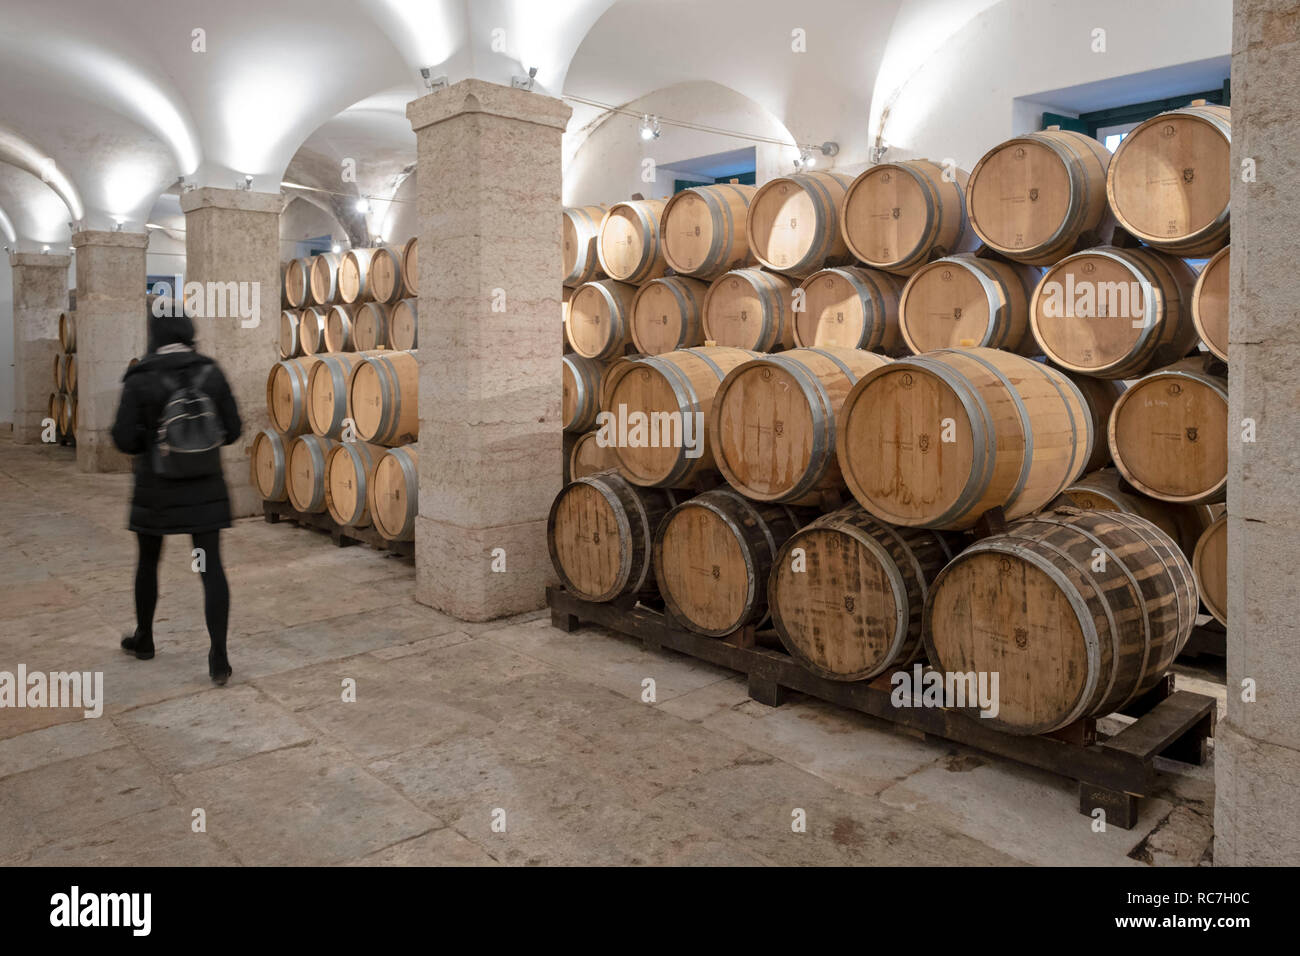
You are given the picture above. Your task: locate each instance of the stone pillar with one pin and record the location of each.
(111, 330)
(232, 248)
(1257, 749)
(40, 294)
(490, 261)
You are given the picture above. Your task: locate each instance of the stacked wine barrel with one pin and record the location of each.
(898, 417)
(62, 408)
(343, 399)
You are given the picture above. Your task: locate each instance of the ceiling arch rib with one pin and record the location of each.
(19, 152)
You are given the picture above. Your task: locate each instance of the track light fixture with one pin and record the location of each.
(524, 82)
(431, 82)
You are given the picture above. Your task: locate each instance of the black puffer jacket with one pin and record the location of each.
(164, 505)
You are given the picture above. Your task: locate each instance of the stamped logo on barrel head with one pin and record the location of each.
(1174, 389)
(907, 380)
(849, 603)
(1191, 433)
(1033, 194)
(956, 312)
(923, 442)
(896, 212)
(1168, 131)
(1020, 152)
(1188, 175)
(717, 572)
(886, 178)
(1022, 637)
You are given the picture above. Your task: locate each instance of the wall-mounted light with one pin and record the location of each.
(433, 83)
(248, 182)
(363, 205)
(45, 250)
(650, 128)
(336, 248)
(524, 82)
(118, 224)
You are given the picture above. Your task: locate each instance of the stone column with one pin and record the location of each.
(1257, 749)
(40, 294)
(232, 248)
(111, 330)
(490, 432)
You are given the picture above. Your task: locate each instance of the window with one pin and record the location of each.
(1113, 124)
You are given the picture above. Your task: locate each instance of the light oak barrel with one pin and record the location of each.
(600, 319)
(898, 216)
(750, 309)
(713, 555)
(411, 267)
(404, 325)
(1068, 635)
(354, 276)
(323, 278)
(1170, 180)
(679, 388)
(580, 398)
(383, 398)
(286, 394)
(589, 457)
(339, 327)
(704, 231)
(965, 300)
(311, 330)
(385, 280)
(68, 331)
(68, 420)
(1210, 304)
(850, 605)
(70, 372)
(289, 344)
(580, 227)
(297, 283)
(306, 472)
(773, 421)
(666, 315)
(793, 222)
(395, 493)
(327, 391)
(1032, 198)
(1100, 395)
(1115, 313)
(54, 409)
(600, 532)
(59, 370)
(850, 306)
(1210, 562)
(268, 464)
(629, 245)
(370, 327)
(1168, 434)
(1020, 431)
(349, 469)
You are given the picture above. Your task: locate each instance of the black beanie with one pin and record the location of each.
(168, 323)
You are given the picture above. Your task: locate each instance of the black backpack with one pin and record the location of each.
(190, 434)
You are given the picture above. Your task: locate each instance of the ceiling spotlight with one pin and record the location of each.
(431, 82)
(44, 249)
(830, 148)
(248, 181)
(524, 82)
(118, 224)
(650, 128)
(336, 248)
(363, 205)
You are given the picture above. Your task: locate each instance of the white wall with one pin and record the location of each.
(303, 219)
(6, 345)
(607, 166)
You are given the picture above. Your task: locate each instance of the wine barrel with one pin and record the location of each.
(311, 331)
(600, 532)
(665, 315)
(289, 343)
(1100, 395)
(297, 283)
(962, 301)
(580, 402)
(370, 327)
(404, 325)
(772, 424)
(60, 368)
(339, 329)
(411, 267)
(750, 309)
(600, 318)
(850, 605)
(54, 409)
(704, 230)
(395, 493)
(629, 246)
(1068, 635)
(1210, 563)
(1034, 197)
(386, 284)
(852, 307)
(68, 420)
(936, 440)
(793, 223)
(1169, 434)
(897, 216)
(712, 557)
(286, 394)
(1104, 490)
(324, 278)
(327, 392)
(673, 393)
(1170, 180)
(305, 477)
(383, 398)
(1210, 304)
(349, 469)
(68, 331)
(1115, 313)
(268, 464)
(70, 372)
(579, 231)
(354, 276)
(589, 457)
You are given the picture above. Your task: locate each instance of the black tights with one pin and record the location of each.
(216, 593)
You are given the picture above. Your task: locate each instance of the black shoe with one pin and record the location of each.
(133, 644)
(219, 668)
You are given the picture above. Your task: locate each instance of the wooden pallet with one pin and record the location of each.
(1113, 773)
(277, 511)
(1209, 639)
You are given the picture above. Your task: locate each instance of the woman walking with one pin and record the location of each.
(176, 410)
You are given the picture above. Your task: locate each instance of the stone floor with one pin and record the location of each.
(455, 726)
